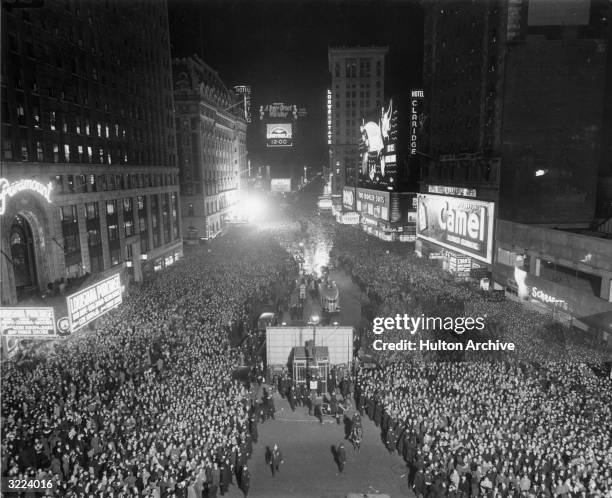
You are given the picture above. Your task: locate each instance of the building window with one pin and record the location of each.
(56, 153)
(24, 150)
(111, 207)
(39, 151)
(52, 120)
(115, 256)
(67, 153)
(91, 210)
(7, 149)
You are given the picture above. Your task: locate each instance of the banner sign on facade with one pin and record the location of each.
(348, 197)
(27, 323)
(463, 225)
(91, 303)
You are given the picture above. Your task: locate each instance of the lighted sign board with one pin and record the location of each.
(279, 134)
(27, 323)
(451, 190)
(378, 149)
(464, 225)
(329, 117)
(92, 302)
(348, 198)
(280, 184)
(245, 91)
(373, 203)
(278, 110)
(416, 99)
(9, 189)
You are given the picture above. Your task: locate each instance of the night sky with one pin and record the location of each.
(280, 49)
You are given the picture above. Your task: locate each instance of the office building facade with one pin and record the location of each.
(212, 151)
(357, 89)
(89, 172)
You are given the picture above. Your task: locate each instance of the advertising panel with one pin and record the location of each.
(280, 184)
(348, 198)
(27, 323)
(279, 134)
(464, 225)
(374, 203)
(91, 303)
(378, 149)
(416, 99)
(278, 110)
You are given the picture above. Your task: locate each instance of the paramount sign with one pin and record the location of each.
(10, 189)
(463, 225)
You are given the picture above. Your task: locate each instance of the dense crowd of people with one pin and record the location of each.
(534, 422)
(144, 404)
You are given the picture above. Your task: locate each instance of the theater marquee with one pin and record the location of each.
(91, 303)
(464, 225)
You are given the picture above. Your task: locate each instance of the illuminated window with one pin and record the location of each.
(39, 151)
(55, 153)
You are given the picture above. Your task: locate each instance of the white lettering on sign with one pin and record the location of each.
(461, 223)
(11, 189)
(547, 298)
(414, 120)
(366, 196)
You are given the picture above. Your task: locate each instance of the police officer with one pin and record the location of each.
(245, 480)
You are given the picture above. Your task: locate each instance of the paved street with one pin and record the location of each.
(309, 470)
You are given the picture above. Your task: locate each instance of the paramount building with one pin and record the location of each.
(89, 179)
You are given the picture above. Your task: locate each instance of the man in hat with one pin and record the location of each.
(245, 480)
(341, 456)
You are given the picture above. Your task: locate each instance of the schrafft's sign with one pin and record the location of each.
(27, 323)
(91, 303)
(8, 189)
(464, 225)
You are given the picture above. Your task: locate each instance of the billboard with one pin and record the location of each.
(374, 203)
(280, 184)
(27, 323)
(348, 198)
(278, 110)
(378, 149)
(464, 225)
(279, 134)
(280, 342)
(91, 303)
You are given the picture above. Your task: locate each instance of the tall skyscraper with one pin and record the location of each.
(515, 99)
(89, 177)
(514, 94)
(357, 88)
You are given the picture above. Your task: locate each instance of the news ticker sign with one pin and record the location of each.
(28, 323)
(463, 225)
(91, 303)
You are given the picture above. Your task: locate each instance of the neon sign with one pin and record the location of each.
(11, 189)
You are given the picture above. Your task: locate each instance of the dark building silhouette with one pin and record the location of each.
(516, 136)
